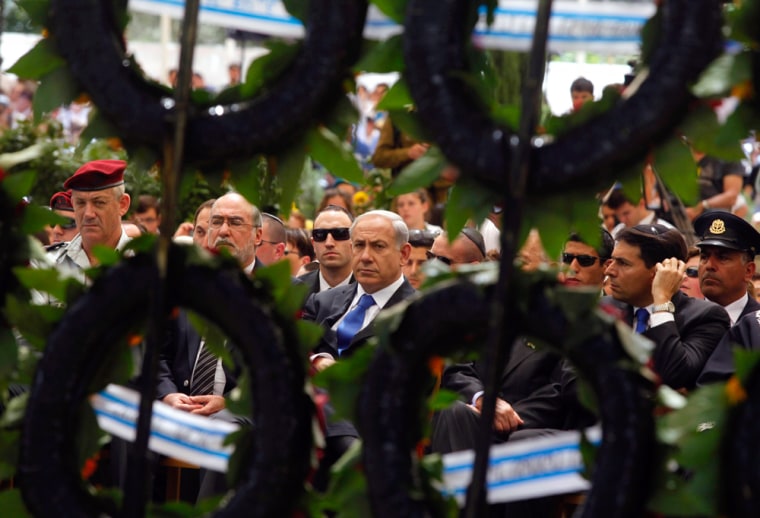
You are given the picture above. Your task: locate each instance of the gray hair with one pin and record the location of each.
(400, 230)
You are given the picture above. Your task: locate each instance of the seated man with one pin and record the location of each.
(645, 274)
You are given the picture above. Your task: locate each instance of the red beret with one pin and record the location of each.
(62, 201)
(97, 175)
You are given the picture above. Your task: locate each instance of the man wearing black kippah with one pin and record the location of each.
(645, 274)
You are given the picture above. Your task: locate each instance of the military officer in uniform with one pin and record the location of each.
(99, 200)
(60, 203)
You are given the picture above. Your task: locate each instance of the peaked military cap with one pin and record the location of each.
(726, 230)
(97, 175)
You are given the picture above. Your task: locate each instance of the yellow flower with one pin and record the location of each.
(734, 391)
(360, 199)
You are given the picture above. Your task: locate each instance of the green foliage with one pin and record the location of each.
(38, 62)
(393, 9)
(334, 154)
(385, 56)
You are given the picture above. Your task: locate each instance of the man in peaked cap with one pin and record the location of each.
(727, 247)
(99, 200)
(60, 203)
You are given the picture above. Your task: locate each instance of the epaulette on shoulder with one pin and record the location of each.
(56, 246)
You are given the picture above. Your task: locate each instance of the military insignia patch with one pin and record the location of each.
(717, 227)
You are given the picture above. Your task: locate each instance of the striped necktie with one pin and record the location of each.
(204, 373)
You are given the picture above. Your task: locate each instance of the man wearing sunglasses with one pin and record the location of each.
(60, 203)
(332, 249)
(584, 264)
(645, 274)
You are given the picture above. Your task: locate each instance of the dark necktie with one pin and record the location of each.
(642, 319)
(351, 325)
(204, 373)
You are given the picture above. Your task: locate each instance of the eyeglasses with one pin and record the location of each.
(270, 242)
(68, 226)
(234, 223)
(288, 252)
(445, 260)
(692, 271)
(583, 260)
(338, 234)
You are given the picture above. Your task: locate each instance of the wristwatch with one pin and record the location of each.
(668, 306)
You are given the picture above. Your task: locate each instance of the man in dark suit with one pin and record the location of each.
(379, 241)
(235, 225)
(726, 264)
(332, 249)
(727, 250)
(645, 275)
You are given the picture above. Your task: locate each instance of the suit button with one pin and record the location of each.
(186, 383)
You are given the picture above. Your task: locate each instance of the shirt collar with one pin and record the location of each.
(381, 296)
(735, 308)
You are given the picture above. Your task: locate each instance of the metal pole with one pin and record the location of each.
(138, 469)
(501, 338)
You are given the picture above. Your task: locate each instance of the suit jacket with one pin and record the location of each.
(683, 347)
(745, 333)
(177, 360)
(329, 306)
(529, 382)
(311, 279)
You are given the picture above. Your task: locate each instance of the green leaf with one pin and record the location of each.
(38, 62)
(741, 123)
(291, 164)
(57, 88)
(420, 173)
(297, 8)
(13, 505)
(650, 35)
(342, 116)
(38, 11)
(386, 56)
(408, 122)
(347, 494)
(89, 435)
(397, 98)
(245, 175)
(308, 334)
(675, 165)
(344, 379)
(97, 128)
(13, 416)
(701, 127)
(105, 255)
(442, 399)
(18, 185)
(393, 9)
(10, 445)
(745, 361)
(722, 74)
(334, 154)
(36, 218)
(33, 322)
(467, 201)
(268, 67)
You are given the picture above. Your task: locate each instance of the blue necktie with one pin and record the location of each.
(642, 319)
(351, 325)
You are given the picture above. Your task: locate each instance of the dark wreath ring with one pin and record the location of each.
(393, 396)
(89, 333)
(435, 42)
(85, 33)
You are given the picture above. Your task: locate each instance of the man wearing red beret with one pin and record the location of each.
(60, 203)
(99, 200)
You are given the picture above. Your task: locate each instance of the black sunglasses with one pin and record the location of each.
(692, 271)
(583, 260)
(69, 225)
(338, 234)
(445, 260)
